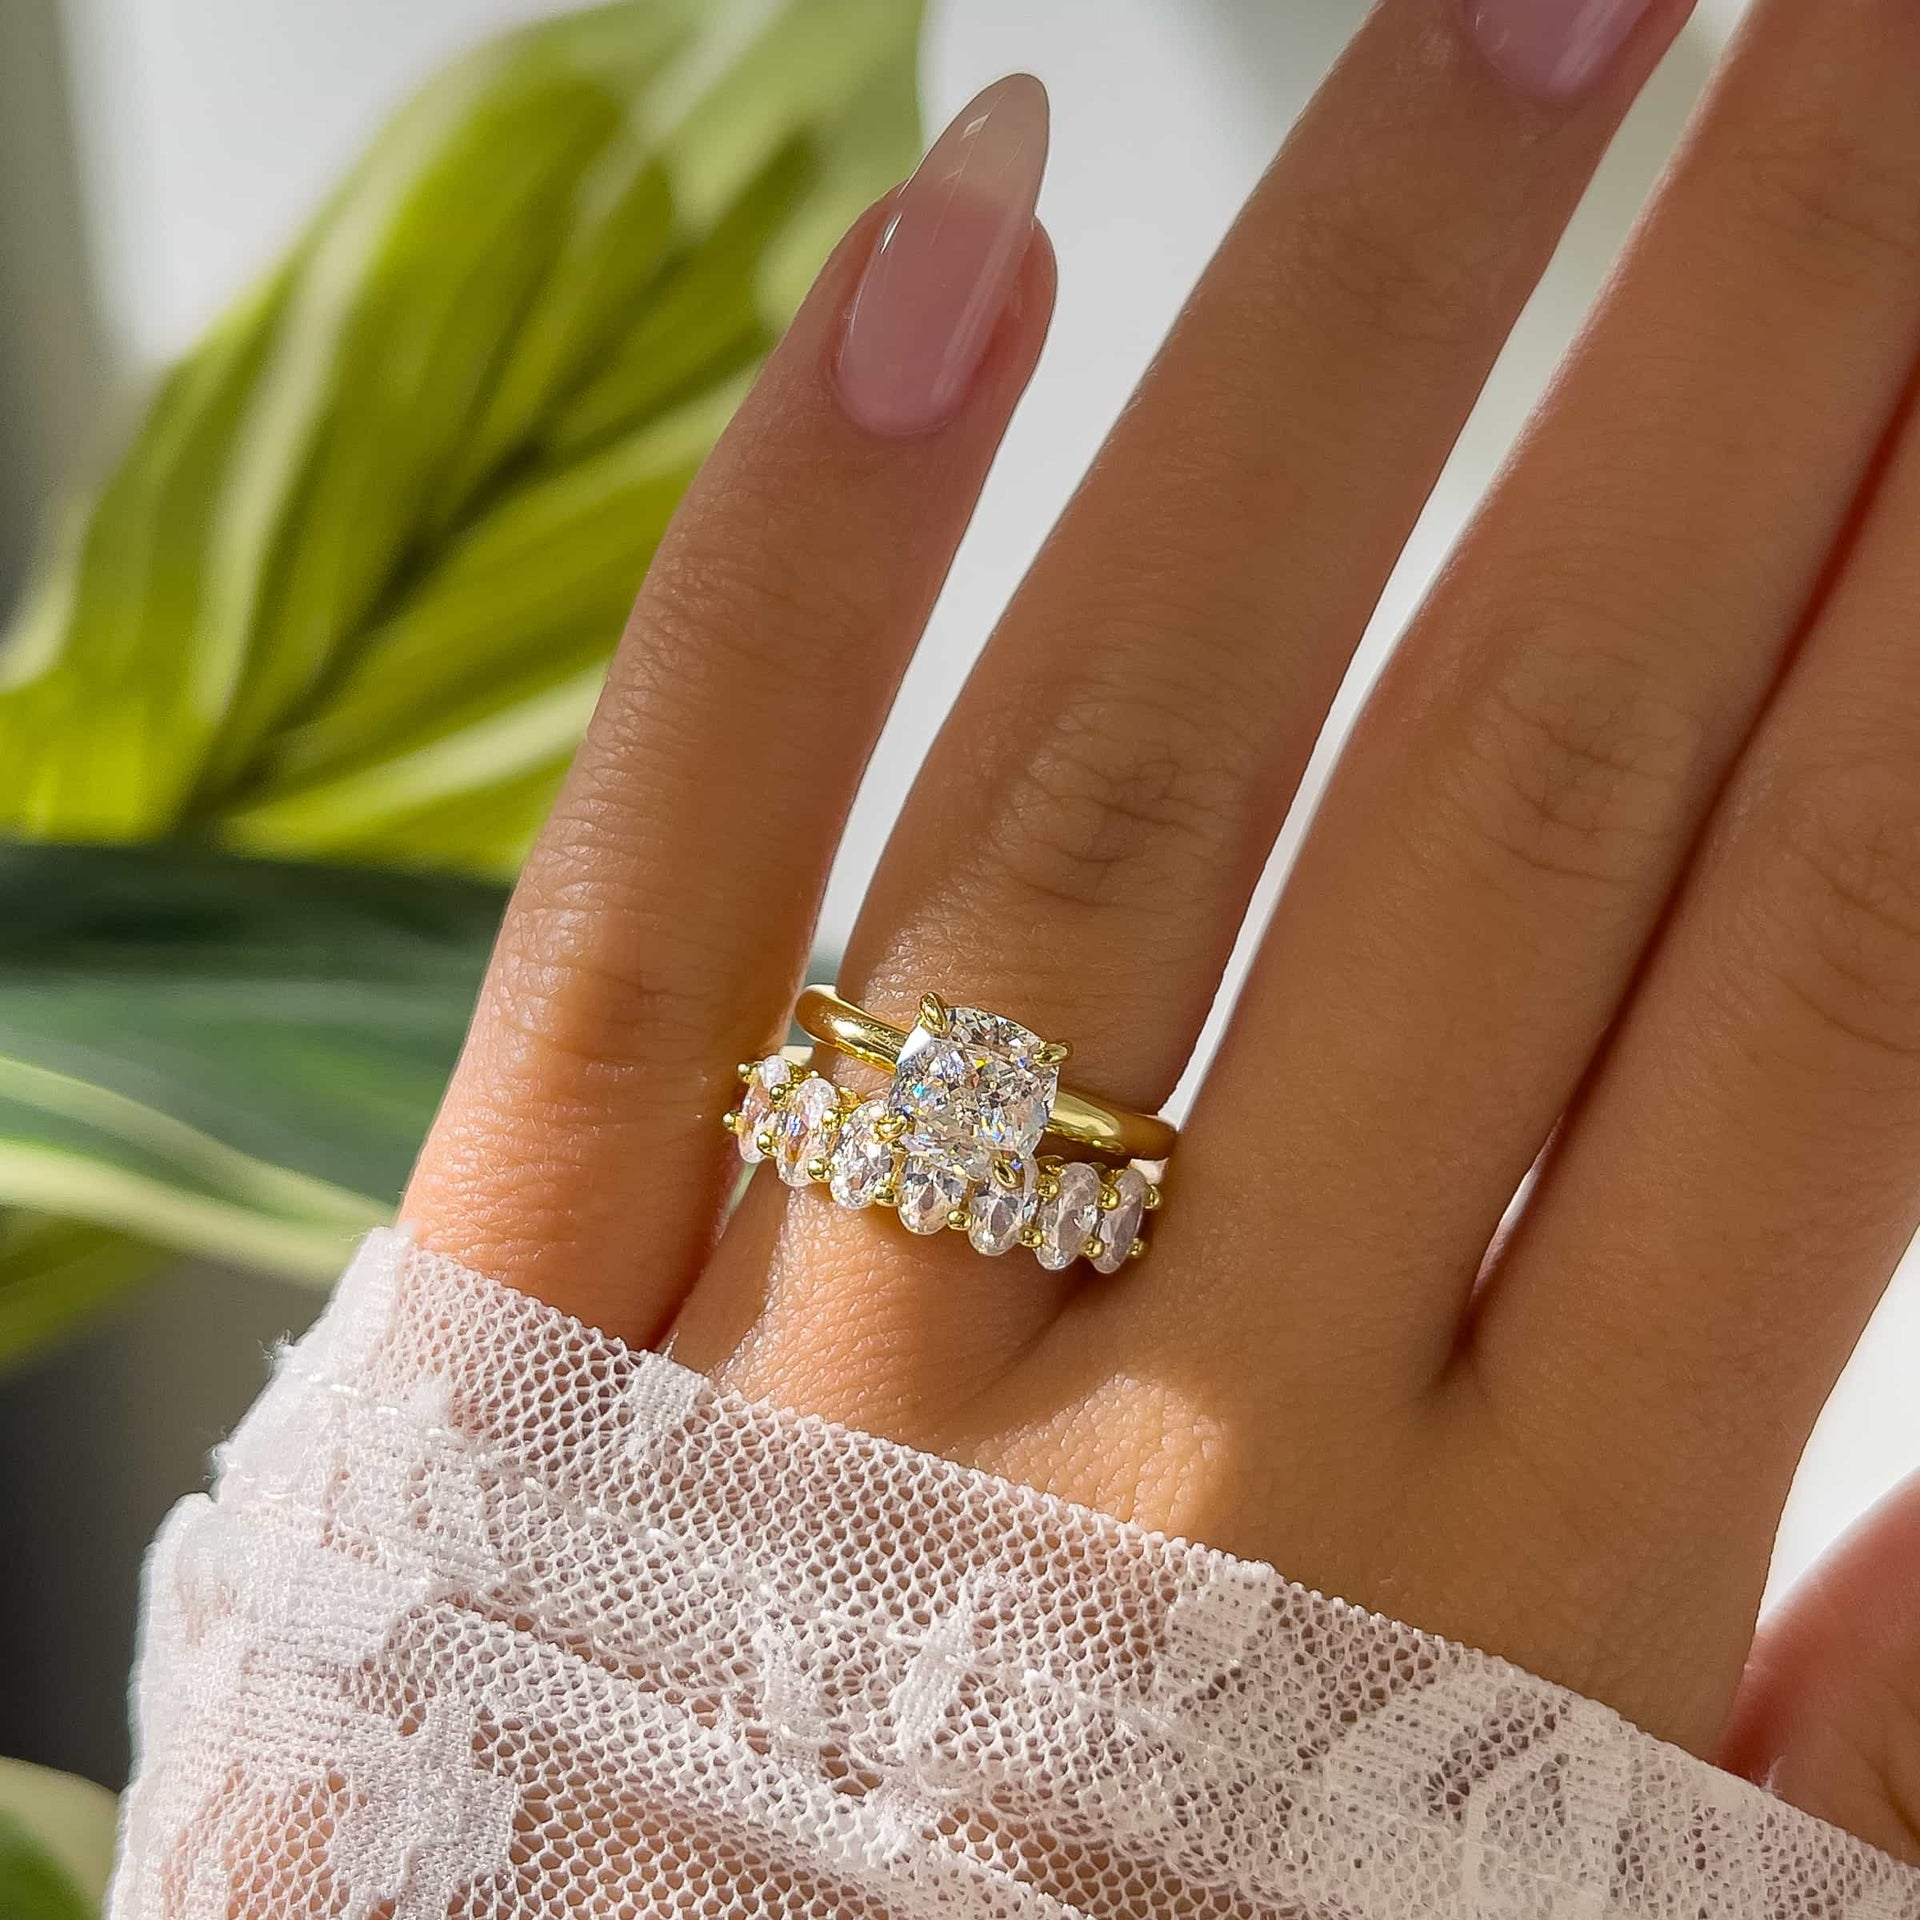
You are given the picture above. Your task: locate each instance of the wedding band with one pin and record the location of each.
(953, 1143)
(1024, 1070)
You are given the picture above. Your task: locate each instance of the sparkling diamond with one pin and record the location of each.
(1066, 1221)
(996, 1213)
(803, 1128)
(928, 1193)
(861, 1160)
(1120, 1225)
(756, 1110)
(977, 1088)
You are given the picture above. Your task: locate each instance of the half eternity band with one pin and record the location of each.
(954, 1141)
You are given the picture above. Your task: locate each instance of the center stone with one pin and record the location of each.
(976, 1088)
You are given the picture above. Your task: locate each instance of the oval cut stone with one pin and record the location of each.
(996, 1213)
(803, 1128)
(756, 1110)
(928, 1193)
(862, 1162)
(1067, 1220)
(1120, 1225)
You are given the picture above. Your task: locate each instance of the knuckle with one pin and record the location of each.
(1845, 911)
(1817, 185)
(1119, 797)
(587, 977)
(717, 611)
(1386, 274)
(1575, 767)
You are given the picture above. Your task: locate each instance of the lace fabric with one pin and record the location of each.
(491, 1616)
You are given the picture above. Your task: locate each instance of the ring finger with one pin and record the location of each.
(1080, 848)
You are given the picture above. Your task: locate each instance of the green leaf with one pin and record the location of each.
(56, 1274)
(355, 580)
(56, 1843)
(218, 1055)
(348, 596)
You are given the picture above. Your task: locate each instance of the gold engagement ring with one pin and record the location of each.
(954, 1141)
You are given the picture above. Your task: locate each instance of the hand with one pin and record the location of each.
(1618, 880)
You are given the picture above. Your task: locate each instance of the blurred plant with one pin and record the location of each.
(345, 602)
(56, 1843)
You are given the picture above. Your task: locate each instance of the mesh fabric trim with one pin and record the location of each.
(491, 1616)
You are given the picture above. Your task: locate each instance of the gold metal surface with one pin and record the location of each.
(848, 1029)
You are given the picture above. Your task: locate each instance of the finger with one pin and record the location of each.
(1500, 839)
(1737, 1184)
(1079, 849)
(1828, 1715)
(1082, 843)
(660, 925)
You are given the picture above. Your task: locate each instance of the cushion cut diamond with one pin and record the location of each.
(977, 1087)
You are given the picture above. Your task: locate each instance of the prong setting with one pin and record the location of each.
(950, 1147)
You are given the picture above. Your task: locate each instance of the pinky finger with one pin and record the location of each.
(1828, 1714)
(659, 927)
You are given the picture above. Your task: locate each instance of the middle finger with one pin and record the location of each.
(1502, 835)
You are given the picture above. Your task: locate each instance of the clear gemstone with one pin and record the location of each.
(1120, 1225)
(928, 1193)
(756, 1110)
(996, 1213)
(976, 1089)
(1066, 1221)
(862, 1161)
(803, 1128)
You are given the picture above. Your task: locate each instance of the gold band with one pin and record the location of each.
(822, 1015)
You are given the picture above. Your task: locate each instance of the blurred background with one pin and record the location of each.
(157, 156)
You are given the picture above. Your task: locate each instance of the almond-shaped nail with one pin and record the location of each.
(945, 264)
(1552, 49)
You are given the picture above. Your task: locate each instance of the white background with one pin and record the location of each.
(209, 127)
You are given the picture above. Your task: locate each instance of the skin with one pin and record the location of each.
(1618, 881)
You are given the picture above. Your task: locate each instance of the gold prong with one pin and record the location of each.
(732, 1122)
(763, 1140)
(745, 1069)
(1136, 1250)
(1030, 1236)
(957, 1219)
(1109, 1195)
(1093, 1248)
(889, 1127)
(886, 1194)
(1055, 1053)
(933, 1013)
(1003, 1176)
(817, 1168)
(1151, 1198)
(1048, 1186)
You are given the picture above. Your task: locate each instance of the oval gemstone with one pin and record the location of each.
(756, 1110)
(1120, 1225)
(862, 1162)
(928, 1193)
(803, 1128)
(996, 1213)
(1067, 1220)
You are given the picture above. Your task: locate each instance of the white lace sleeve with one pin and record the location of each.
(491, 1617)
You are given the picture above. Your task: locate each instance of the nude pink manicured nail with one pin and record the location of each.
(943, 269)
(1552, 49)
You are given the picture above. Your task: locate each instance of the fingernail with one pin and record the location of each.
(1552, 49)
(946, 263)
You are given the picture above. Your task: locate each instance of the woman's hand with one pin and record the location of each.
(1619, 875)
